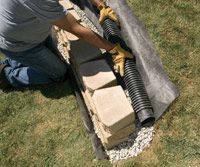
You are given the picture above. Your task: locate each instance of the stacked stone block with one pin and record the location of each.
(108, 106)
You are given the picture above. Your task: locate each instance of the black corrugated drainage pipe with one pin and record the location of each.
(139, 97)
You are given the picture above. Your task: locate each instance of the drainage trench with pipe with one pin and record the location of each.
(142, 135)
(140, 43)
(132, 83)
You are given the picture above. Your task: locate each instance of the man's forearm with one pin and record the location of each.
(93, 38)
(70, 24)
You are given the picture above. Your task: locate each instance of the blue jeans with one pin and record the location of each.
(38, 65)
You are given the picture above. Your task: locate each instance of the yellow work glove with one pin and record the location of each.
(118, 57)
(107, 13)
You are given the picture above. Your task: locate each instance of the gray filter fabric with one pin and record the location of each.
(161, 91)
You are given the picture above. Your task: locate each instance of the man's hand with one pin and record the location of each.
(107, 13)
(118, 56)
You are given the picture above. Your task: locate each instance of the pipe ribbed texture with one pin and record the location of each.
(113, 34)
(139, 97)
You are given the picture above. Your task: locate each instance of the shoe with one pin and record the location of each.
(4, 83)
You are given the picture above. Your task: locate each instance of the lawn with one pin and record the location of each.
(42, 127)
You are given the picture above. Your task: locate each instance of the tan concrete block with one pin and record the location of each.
(88, 95)
(109, 140)
(64, 35)
(110, 145)
(66, 4)
(87, 102)
(113, 109)
(96, 75)
(71, 37)
(121, 134)
(82, 52)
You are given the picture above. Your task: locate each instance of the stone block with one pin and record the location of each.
(88, 103)
(111, 140)
(121, 134)
(97, 74)
(82, 52)
(71, 37)
(88, 96)
(110, 145)
(113, 108)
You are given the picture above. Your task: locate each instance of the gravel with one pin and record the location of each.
(137, 141)
(135, 144)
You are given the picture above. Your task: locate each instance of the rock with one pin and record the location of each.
(113, 109)
(96, 75)
(81, 52)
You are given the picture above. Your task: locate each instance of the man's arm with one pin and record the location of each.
(70, 24)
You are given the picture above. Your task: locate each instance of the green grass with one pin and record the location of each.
(42, 126)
